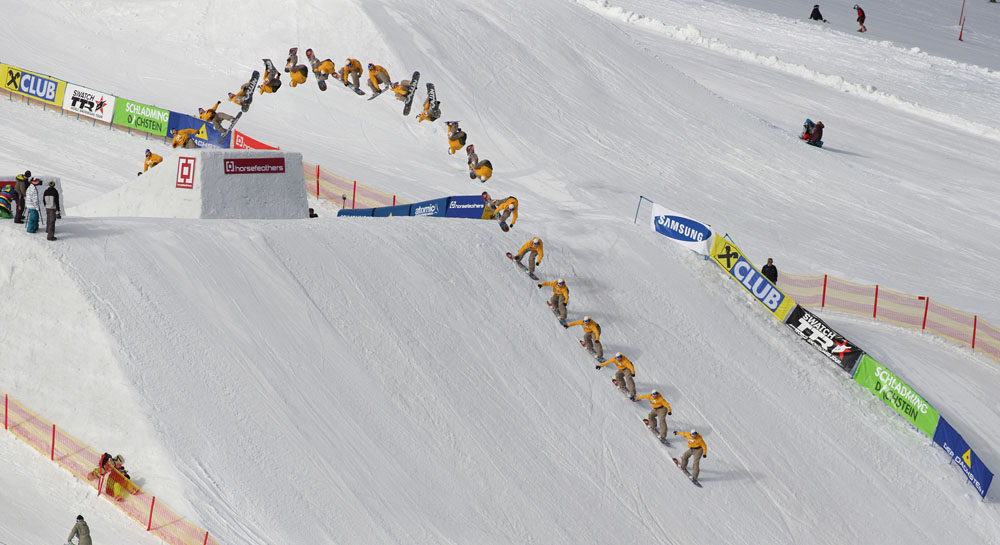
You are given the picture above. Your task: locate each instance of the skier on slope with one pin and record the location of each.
(560, 296)
(816, 15)
(658, 415)
(696, 448)
(591, 335)
(456, 137)
(352, 70)
(505, 209)
(534, 249)
(377, 77)
(624, 375)
(182, 138)
(478, 169)
(214, 117)
(322, 70)
(861, 18)
(431, 111)
(151, 161)
(272, 81)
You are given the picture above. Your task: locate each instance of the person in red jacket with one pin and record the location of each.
(861, 18)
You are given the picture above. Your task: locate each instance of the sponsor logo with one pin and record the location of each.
(820, 335)
(238, 142)
(88, 103)
(966, 466)
(262, 165)
(905, 399)
(185, 172)
(31, 84)
(752, 280)
(141, 110)
(428, 210)
(681, 228)
(454, 204)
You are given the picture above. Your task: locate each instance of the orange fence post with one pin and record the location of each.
(875, 308)
(206, 538)
(823, 302)
(151, 506)
(926, 305)
(317, 181)
(52, 453)
(975, 323)
(354, 196)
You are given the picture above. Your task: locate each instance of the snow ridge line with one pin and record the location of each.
(693, 36)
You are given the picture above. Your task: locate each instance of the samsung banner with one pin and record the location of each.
(815, 332)
(687, 232)
(88, 102)
(975, 470)
(727, 255)
(883, 384)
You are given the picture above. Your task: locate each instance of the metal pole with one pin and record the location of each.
(637, 206)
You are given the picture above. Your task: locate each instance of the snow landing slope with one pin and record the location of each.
(400, 381)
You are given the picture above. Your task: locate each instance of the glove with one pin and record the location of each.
(597, 367)
(704, 455)
(539, 286)
(675, 432)
(670, 413)
(633, 375)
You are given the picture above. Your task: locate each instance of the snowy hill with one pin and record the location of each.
(398, 381)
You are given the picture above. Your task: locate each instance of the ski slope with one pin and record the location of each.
(354, 381)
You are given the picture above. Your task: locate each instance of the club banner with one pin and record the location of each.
(141, 117)
(206, 135)
(467, 206)
(687, 232)
(975, 470)
(815, 332)
(728, 256)
(242, 141)
(88, 102)
(35, 86)
(883, 384)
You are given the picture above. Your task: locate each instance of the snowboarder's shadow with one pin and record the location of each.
(845, 152)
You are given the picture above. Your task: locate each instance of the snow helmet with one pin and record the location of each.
(694, 433)
(292, 50)
(816, 5)
(148, 152)
(119, 459)
(35, 181)
(561, 281)
(470, 148)
(535, 241)
(173, 131)
(231, 95)
(27, 174)
(309, 52)
(371, 66)
(201, 110)
(79, 517)
(619, 356)
(510, 206)
(654, 394)
(586, 319)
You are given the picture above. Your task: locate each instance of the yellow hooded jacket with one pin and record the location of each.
(374, 72)
(657, 402)
(182, 136)
(626, 364)
(352, 65)
(151, 161)
(697, 442)
(209, 114)
(513, 218)
(540, 248)
(564, 290)
(592, 328)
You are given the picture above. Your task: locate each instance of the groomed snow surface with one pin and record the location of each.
(399, 381)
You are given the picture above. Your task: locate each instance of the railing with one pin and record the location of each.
(340, 190)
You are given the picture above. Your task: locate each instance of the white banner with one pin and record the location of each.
(690, 233)
(88, 102)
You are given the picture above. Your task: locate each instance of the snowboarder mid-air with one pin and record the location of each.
(456, 137)
(591, 335)
(322, 70)
(272, 79)
(432, 106)
(624, 375)
(560, 296)
(182, 138)
(658, 416)
(506, 209)
(214, 117)
(696, 448)
(534, 249)
(350, 74)
(152, 160)
(377, 78)
(479, 169)
(293, 59)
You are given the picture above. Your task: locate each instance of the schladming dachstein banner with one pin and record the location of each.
(728, 256)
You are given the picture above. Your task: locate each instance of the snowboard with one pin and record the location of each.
(231, 125)
(432, 98)
(656, 433)
(504, 227)
(380, 93)
(621, 388)
(817, 144)
(678, 464)
(590, 351)
(248, 95)
(414, 83)
(510, 256)
(555, 311)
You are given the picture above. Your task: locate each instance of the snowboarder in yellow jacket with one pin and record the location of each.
(272, 81)
(377, 77)
(696, 448)
(624, 375)
(299, 74)
(478, 169)
(322, 70)
(456, 137)
(534, 249)
(506, 209)
(560, 296)
(658, 416)
(350, 74)
(214, 117)
(152, 160)
(240, 96)
(591, 335)
(182, 138)
(431, 111)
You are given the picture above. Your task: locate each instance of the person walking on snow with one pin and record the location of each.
(51, 200)
(770, 271)
(624, 375)
(591, 335)
(33, 204)
(214, 117)
(816, 15)
(534, 249)
(151, 161)
(657, 418)
(504, 211)
(861, 18)
(352, 70)
(696, 448)
(182, 138)
(456, 137)
(377, 77)
(80, 531)
(560, 296)
(20, 190)
(322, 70)
(481, 169)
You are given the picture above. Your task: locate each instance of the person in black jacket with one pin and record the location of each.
(816, 15)
(770, 271)
(20, 187)
(51, 200)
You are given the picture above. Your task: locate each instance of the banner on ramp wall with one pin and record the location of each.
(242, 141)
(141, 117)
(434, 208)
(360, 212)
(391, 211)
(35, 86)
(687, 232)
(815, 332)
(727, 255)
(883, 384)
(206, 135)
(467, 206)
(88, 102)
(961, 453)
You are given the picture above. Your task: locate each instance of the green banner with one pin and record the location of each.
(895, 393)
(141, 116)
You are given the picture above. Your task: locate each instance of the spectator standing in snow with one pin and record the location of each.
(20, 189)
(51, 199)
(33, 204)
(816, 15)
(770, 271)
(861, 18)
(80, 531)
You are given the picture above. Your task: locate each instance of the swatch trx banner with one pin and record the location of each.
(883, 384)
(815, 332)
(728, 256)
(961, 453)
(23, 82)
(88, 102)
(687, 232)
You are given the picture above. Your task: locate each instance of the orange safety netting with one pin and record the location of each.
(83, 462)
(895, 307)
(335, 188)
